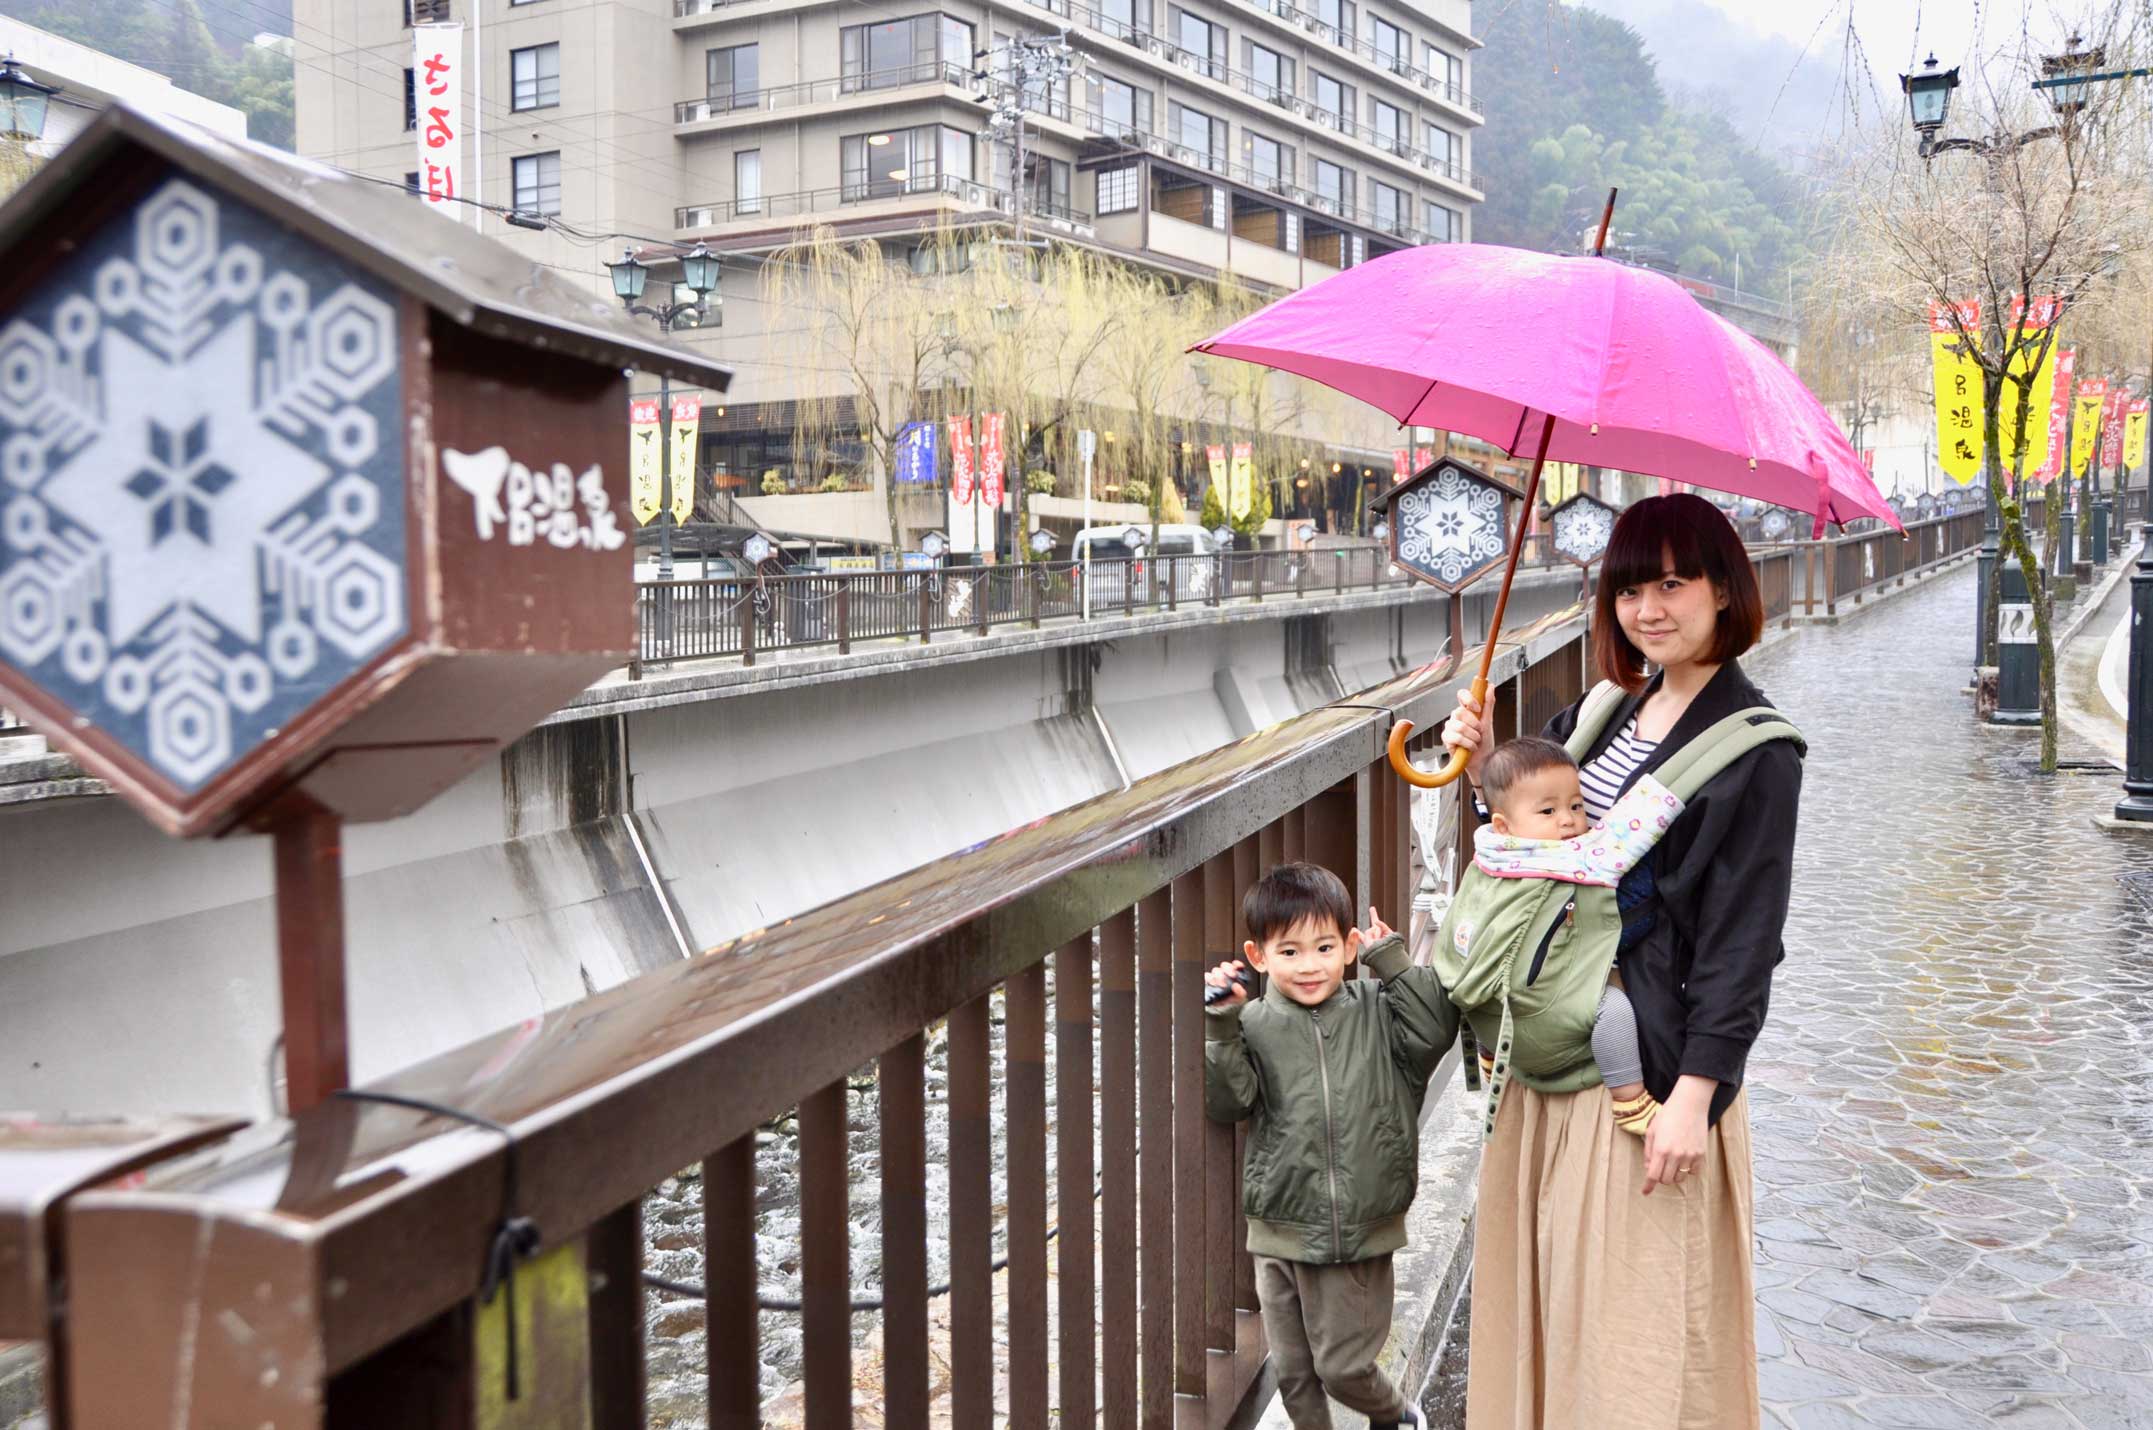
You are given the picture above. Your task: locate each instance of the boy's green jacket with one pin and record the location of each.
(1333, 1097)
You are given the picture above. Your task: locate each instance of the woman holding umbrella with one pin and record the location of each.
(1612, 1277)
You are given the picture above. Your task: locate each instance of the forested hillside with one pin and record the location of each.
(202, 45)
(1575, 105)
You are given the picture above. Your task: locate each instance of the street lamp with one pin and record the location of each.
(933, 544)
(699, 275)
(23, 102)
(1043, 541)
(1928, 98)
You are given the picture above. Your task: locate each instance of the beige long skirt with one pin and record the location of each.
(1596, 1307)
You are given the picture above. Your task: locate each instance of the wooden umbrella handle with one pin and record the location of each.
(1405, 769)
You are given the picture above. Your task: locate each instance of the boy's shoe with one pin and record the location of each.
(1634, 1115)
(1409, 1419)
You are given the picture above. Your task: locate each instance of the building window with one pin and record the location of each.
(1047, 184)
(1334, 99)
(1124, 107)
(1393, 44)
(734, 76)
(1446, 67)
(901, 52)
(535, 77)
(1440, 144)
(1125, 17)
(1118, 189)
(1388, 203)
(1203, 41)
(1199, 131)
(1270, 161)
(1444, 224)
(747, 181)
(918, 160)
(1334, 185)
(1338, 14)
(1390, 124)
(1270, 72)
(538, 183)
(411, 99)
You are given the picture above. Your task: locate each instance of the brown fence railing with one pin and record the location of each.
(333, 1269)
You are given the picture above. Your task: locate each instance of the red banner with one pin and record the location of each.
(2059, 413)
(1422, 456)
(1399, 458)
(2112, 427)
(990, 458)
(960, 460)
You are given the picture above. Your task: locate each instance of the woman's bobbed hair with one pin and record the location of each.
(1688, 534)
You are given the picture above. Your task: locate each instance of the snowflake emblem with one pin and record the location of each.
(1583, 527)
(1451, 526)
(201, 528)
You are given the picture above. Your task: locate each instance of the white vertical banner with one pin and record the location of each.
(437, 81)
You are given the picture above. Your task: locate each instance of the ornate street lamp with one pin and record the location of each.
(699, 275)
(1043, 541)
(933, 545)
(2069, 78)
(23, 103)
(1928, 98)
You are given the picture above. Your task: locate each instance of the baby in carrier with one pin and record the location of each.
(1539, 832)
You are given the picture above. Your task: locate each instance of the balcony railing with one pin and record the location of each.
(818, 91)
(968, 192)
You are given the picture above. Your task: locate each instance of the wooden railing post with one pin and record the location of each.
(926, 608)
(844, 615)
(747, 627)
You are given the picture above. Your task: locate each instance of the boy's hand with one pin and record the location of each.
(1222, 976)
(1377, 929)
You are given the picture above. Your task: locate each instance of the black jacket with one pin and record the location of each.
(1701, 979)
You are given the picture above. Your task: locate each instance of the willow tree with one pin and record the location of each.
(2038, 208)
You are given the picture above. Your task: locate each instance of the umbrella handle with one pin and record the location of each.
(1405, 769)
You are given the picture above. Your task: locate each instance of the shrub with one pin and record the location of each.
(773, 484)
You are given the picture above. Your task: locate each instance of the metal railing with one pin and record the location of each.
(818, 91)
(967, 192)
(341, 1265)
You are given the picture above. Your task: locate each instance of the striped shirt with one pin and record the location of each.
(1602, 779)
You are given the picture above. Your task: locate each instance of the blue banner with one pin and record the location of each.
(916, 454)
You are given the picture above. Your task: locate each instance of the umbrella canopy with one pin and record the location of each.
(1492, 341)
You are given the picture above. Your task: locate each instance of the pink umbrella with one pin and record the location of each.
(1579, 359)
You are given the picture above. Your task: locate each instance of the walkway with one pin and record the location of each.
(1953, 1098)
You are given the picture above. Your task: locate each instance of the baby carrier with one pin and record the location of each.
(1539, 945)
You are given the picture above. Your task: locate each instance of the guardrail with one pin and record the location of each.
(817, 91)
(808, 201)
(348, 1267)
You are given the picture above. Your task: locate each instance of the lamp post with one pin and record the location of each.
(699, 275)
(23, 103)
(1928, 101)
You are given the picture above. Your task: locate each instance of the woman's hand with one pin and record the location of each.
(1675, 1142)
(1466, 729)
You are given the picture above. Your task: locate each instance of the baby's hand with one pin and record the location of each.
(1377, 930)
(1223, 976)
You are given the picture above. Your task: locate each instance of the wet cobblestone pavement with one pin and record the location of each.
(1953, 1097)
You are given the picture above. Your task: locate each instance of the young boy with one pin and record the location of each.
(1537, 819)
(1330, 1075)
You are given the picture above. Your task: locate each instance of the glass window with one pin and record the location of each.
(1445, 225)
(1124, 107)
(538, 183)
(1440, 144)
(1338, 14)
(1334, 184)
(1118, 189)
(411, 100)
(1270, 72)
(1390, 123)
(955, 152)
(1394, 45)
(906, 161)
(1446, 67)
(1269, 160)
(535, 77)
(747, 181)
(1333, 98)
(901, 52)
(1047, 189)
(1199, 131)
(1204, 40)
(735, 76)
(1388, 203)
(1125, 17)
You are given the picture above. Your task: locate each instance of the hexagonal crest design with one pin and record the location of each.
(202, 509)
(1450, 524)
(1583, 525)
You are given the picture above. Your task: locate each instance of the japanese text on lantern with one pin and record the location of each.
(437, 115)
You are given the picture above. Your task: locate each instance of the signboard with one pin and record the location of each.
(1450, 524)
(917, 454)
(1215, 458)
(2086, 423)
(1241, 483)
(2134, 433)
(1959, 438)
(2059, 414)
(2112, 429)
(645, 474)
(687, 417)
(960, 462)
(2030, 322)
(991, 460)
(1087, 443)
(437, 117)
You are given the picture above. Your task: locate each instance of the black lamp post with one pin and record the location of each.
(699, 275)
(23, 103)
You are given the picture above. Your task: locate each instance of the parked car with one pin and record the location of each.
(1109, 544)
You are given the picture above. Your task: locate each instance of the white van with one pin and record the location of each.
(1110, 544)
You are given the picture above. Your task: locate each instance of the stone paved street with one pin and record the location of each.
(1953, 1099)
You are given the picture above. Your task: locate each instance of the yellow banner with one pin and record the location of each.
(687, 417)
(1241, 489)
(643, 460)
(2033, 398)
(2086, 423)
(2134, 434)
(1959, 443)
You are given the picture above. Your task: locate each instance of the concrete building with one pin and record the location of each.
(90, 79)
(1213, 137)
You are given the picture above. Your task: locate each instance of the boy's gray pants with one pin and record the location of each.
(1326, 1325)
